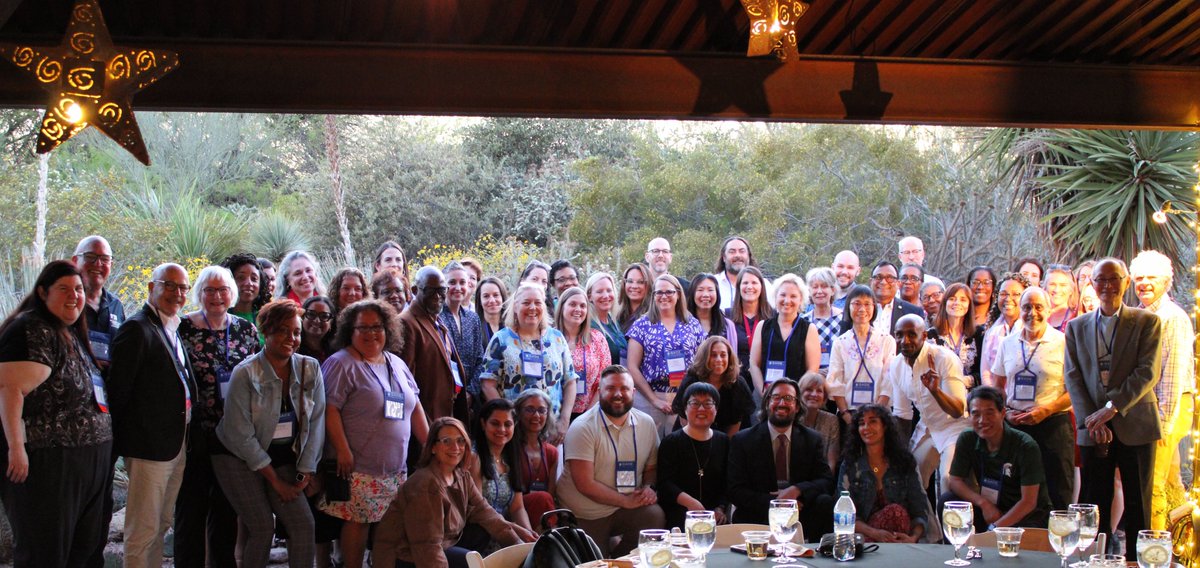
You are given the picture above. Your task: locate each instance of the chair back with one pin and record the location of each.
(507, 557)
(1037, 540)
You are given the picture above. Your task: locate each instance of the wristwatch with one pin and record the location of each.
(992, 526)
(1109, 405)
(301, 476)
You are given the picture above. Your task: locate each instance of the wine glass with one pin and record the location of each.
(1064, 533)
(784, 518)
(958, 522)
(654, 546)
(1089, 525)
(701, 529)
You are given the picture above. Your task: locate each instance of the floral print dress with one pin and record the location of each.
(507, 358)
(214, 354)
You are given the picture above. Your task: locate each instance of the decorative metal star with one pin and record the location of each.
(90, 81)
(773, 27)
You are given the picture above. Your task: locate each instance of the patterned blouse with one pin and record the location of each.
(846, 366)
(657, 343)
(827, 329)
(62, 411)
(213, 355)
(503, 363)
(590, 360)
(498, 492)
(468, 341)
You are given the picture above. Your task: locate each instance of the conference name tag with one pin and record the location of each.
(101, 394)
(1024, 386)
(626, 474)
(285, 427)
(531, 365)
(676, 367)
(863, 393)
(990, 489)
(223, 382)
(775, 371)
(393, 405)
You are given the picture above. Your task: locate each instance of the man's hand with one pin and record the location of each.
(931, 379)
(991, 513)
(791, 492)
(1099, 417)
(1101, 434)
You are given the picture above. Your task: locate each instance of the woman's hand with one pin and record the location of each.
(564, 422)
(345, 463)
(286, 490)
(663, 405)
(18, 464)
(524, 534)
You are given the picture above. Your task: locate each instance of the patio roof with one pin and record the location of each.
(1090, 63)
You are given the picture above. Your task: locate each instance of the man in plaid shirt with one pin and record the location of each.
(1152, 279)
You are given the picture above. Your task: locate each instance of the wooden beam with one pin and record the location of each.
(436, 80)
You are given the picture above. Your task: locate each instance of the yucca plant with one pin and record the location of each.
(274, 235)
(1095, 190)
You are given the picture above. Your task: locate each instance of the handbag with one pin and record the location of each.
(336, 487)
(860, 545)
(564, 546)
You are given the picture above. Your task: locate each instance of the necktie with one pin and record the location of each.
(781, 458)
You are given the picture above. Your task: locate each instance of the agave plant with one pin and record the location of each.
(274, 235)
(1095, 190)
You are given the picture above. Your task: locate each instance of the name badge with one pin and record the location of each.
(624, 357)
(99, 343)
(531, 365)
(676, 367)
(626, 474)
(1105, 369)
(393, 405)
(99, 392)
(223, 382)
(285, 428)
(824, 356)
(1025, 386)
(863, 393)
(775, 371)
(538, 486)
(990, 489)
(580, 384)
(454, 371)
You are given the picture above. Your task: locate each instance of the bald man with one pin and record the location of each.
(846, 268)
(94, 258)
(429, 349)
(658, 258)
(912, 251)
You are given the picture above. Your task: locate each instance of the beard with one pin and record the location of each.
(607, 406)
(780, 421)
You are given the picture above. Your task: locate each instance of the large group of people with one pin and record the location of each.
(417, 416)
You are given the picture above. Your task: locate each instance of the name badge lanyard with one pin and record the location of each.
(862, 367)
(533, 485)
(174, 345)
(748, 326)
(989, 487)
(617, 456)
(1025, 382)
(224, 374)
(1112, 338)
(449, 346)
(393, 402)
(98, 388)
(786, 344)
(581, 386)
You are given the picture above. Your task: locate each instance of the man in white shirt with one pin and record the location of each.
(846, 268)
(929, 377)
(736, 255)
(912, 251)
(1029, 369)
(885, 282)
(611, 454)
(1153, 276)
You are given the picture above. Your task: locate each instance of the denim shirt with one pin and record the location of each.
(901, 487)
(252, 411)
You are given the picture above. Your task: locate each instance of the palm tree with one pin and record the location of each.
(1095, 190)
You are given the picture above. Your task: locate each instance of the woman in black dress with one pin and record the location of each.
(691, 461)
(716, 364)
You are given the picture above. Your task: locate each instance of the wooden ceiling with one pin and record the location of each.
(1127, 63)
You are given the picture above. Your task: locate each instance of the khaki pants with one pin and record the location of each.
(1166, 463)
(150, 508)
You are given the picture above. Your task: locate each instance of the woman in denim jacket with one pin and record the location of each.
(273, 441)
(881, 476)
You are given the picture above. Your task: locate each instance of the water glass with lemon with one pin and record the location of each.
(654, 546)
(1064, 533)
(1154, 549)
(701, 527)
(784, 520)
(1089, 526)
(958, 522)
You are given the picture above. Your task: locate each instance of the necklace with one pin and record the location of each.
(699, 468)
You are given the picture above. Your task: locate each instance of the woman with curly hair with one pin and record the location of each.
(881, 476)
(1006, 318)
(537, 458)
(252, 295)
(716, 363)
(372, 411)
(349, 285)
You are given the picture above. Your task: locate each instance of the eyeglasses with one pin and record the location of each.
(910, 278)
(538, 410)
(453, 440)
(318, 316)
(862, 305)
(223, 290)
(983, 282)
(633, 282)
(912, 251)
(392, 292)
(1006, 295)
(441, 291)
(369, 329)
(787, 398)
(93, 258)
(1105, 282)
(656, 252)
(695, 404)
(665, 293)
(566, 280)
(173, 287)
(884, 278)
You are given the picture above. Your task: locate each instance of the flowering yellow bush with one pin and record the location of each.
(130, 284)
(504, 259)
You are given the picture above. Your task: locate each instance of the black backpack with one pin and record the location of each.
(564, 546)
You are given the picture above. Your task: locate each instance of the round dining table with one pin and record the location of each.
(895, 556)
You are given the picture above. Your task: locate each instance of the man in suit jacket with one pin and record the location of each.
(429, 349)
(1111, 368)
(799, 471)
(885, 282)
(151, 388)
